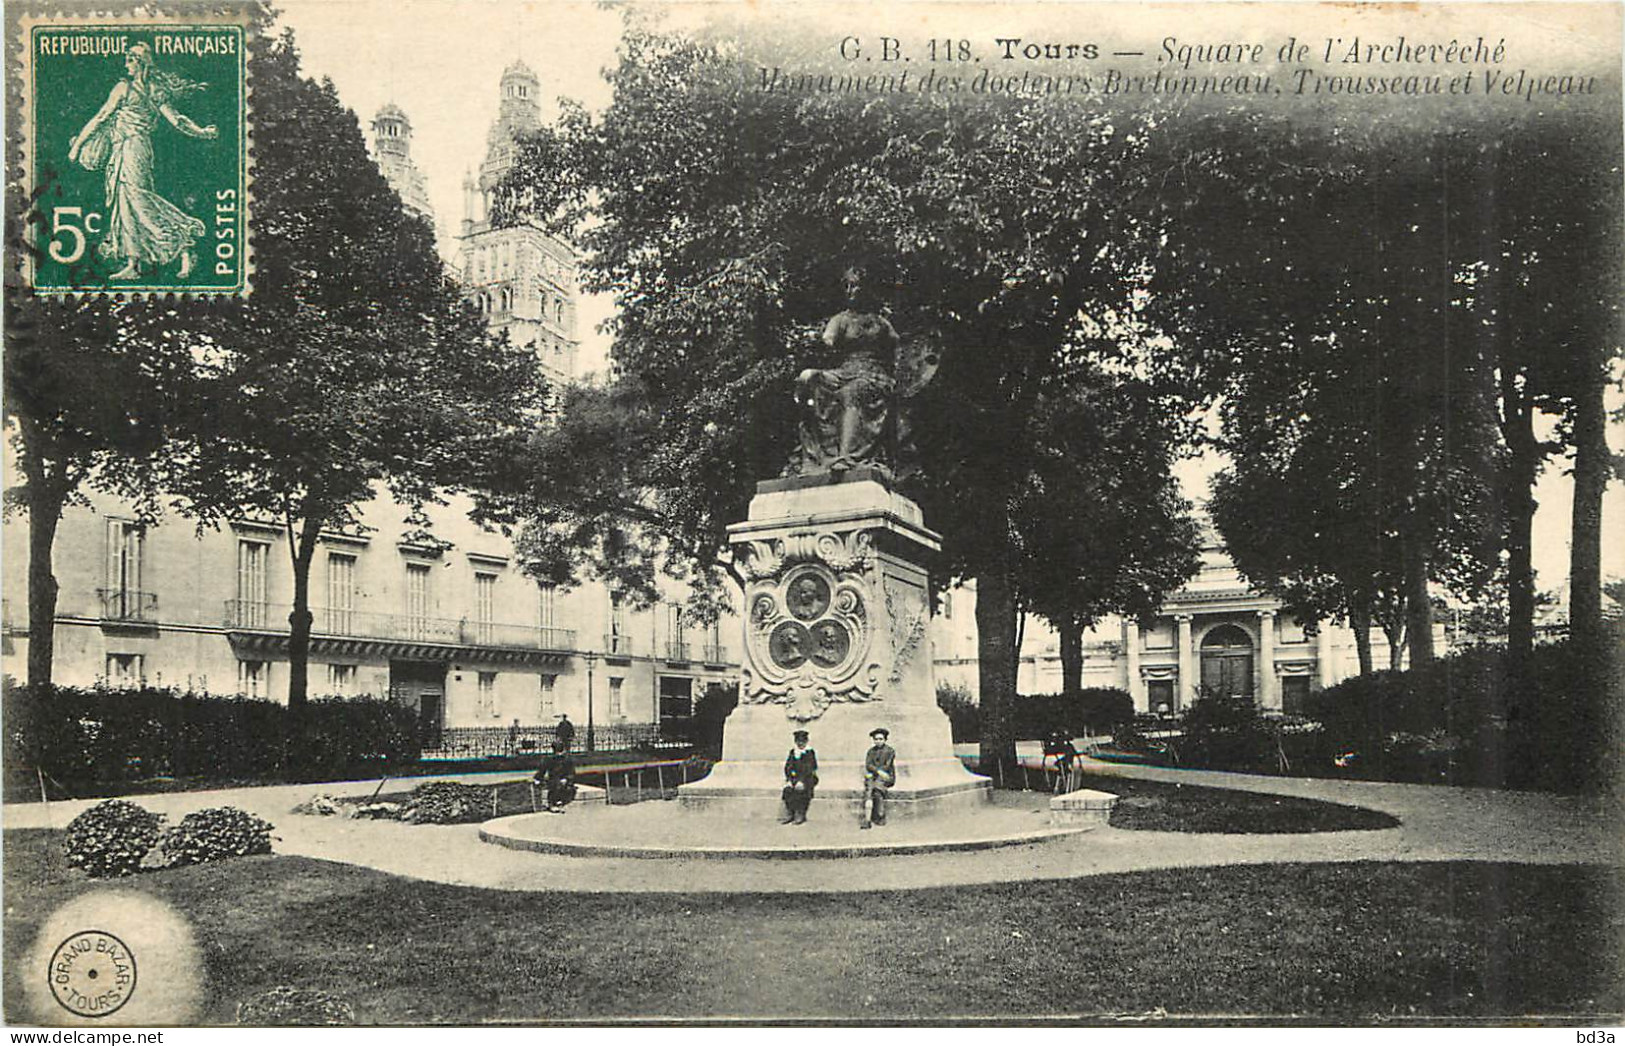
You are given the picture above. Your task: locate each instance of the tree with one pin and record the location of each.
(1542, 287)
(1100, 525)
(1359, 429)
(87, 396)
(724, 216)
(354, 366)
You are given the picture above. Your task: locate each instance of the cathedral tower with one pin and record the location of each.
(392, 148)
(522, 278)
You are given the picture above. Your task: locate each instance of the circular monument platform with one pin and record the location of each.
(666, 829)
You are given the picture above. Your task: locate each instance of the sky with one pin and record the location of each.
(441, 60)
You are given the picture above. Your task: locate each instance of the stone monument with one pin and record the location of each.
(837, 609)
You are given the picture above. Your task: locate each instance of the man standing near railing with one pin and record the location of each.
(565, 733)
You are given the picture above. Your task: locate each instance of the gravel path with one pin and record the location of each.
(1438, 823)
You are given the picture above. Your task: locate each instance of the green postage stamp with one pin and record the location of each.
(136, 149)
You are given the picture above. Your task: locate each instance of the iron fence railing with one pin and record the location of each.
(677, 651)
(715, 655)
(480, 742)
(617, 644)
(127, 604)
(273, 617)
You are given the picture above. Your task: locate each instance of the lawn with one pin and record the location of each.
(1337, 943)
(1158, 806)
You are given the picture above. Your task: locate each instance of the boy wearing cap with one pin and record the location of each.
(879, 774)
(800, 778)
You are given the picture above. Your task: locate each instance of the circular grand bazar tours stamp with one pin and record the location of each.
(92, 974)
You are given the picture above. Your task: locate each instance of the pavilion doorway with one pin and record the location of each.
(1227, 662)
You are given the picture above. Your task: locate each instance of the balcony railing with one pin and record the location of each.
(677, 651)
(617, 644)
(715, 655)
(127, 604)
(327, 621)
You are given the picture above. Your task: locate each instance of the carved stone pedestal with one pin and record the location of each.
(837, 642)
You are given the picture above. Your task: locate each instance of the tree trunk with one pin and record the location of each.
(45, 503)
(1071, 633)
(1396, 645)
(1523, 467)
(45, 497)
(1418, 605)
(1591, 471)
(299, 619)
(1360, 622)
(996, 657)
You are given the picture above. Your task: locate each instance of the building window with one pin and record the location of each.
(676, 633)
(485, 588)
(254, 678)
(341, 593)
(947, 606)
(488, 693)
(125, 671)
(122, 599)
(549, 688)
(617, 641)
(617, 707)
(417, 600)
(1294, 693)
(341, 679)
(546, 603)
(1160, 696)
(252, 559)
(713, 643)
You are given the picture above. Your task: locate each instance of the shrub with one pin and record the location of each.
(1104, 708)
(964, 717)
(112, 838)
(305, 1007)
(1457, 719)
(1227, 732)
(446, 802)
(93, 736)
(710, 713)
(214, 835)
(1035, 717)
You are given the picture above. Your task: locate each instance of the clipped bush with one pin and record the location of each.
(710, 713)
(87, 737)
(214, 835)
(964, 716)
(112, 838)
(1459, 719)
(446, 802)
(1035, 717)
(1226, 732)
(298, 1007)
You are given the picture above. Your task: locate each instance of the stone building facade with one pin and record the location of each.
(455, 629)
(1216, 633)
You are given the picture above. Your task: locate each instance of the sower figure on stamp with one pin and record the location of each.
(557, 775)
(800, 778)
(143, 228)
(879, 774)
